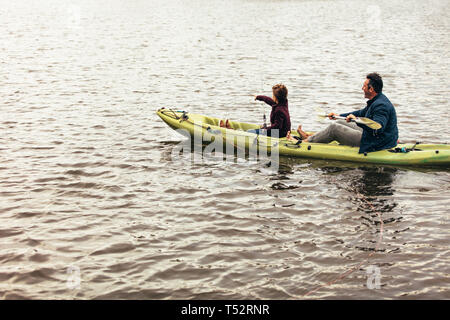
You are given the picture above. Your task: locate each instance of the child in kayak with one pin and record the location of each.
(280, 120)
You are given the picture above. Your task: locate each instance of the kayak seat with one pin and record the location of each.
(211, 121)
(236, 125)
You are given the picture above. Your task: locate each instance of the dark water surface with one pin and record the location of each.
(93, 205)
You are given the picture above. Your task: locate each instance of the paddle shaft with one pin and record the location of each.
(365, 121)
(344, 118)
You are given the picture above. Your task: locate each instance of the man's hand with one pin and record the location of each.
(350, 117)
(332, 116)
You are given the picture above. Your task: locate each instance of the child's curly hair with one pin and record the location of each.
(280, 92)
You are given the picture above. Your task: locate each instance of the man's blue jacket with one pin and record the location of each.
(380, 110)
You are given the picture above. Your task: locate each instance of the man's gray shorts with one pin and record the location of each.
(346, 133)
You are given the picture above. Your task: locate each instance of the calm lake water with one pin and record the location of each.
(92, 205)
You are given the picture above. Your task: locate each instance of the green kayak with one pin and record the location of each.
(209, 130)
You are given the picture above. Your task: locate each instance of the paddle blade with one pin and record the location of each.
(321, 114)
(370, 123)
(320, 110)
(321, 118)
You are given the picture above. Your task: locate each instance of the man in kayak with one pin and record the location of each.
(378, 108)
(280, 120)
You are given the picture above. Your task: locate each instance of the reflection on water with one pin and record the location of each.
(374, 182)
(373, 186)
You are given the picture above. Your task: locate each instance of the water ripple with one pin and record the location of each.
(89, 183)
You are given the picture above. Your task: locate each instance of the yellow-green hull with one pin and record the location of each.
(207, 129)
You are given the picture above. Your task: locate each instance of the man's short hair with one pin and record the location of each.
(375, 81)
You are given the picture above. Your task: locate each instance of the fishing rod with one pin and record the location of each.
(264, 109)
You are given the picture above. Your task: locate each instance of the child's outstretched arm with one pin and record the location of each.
(266, 99)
